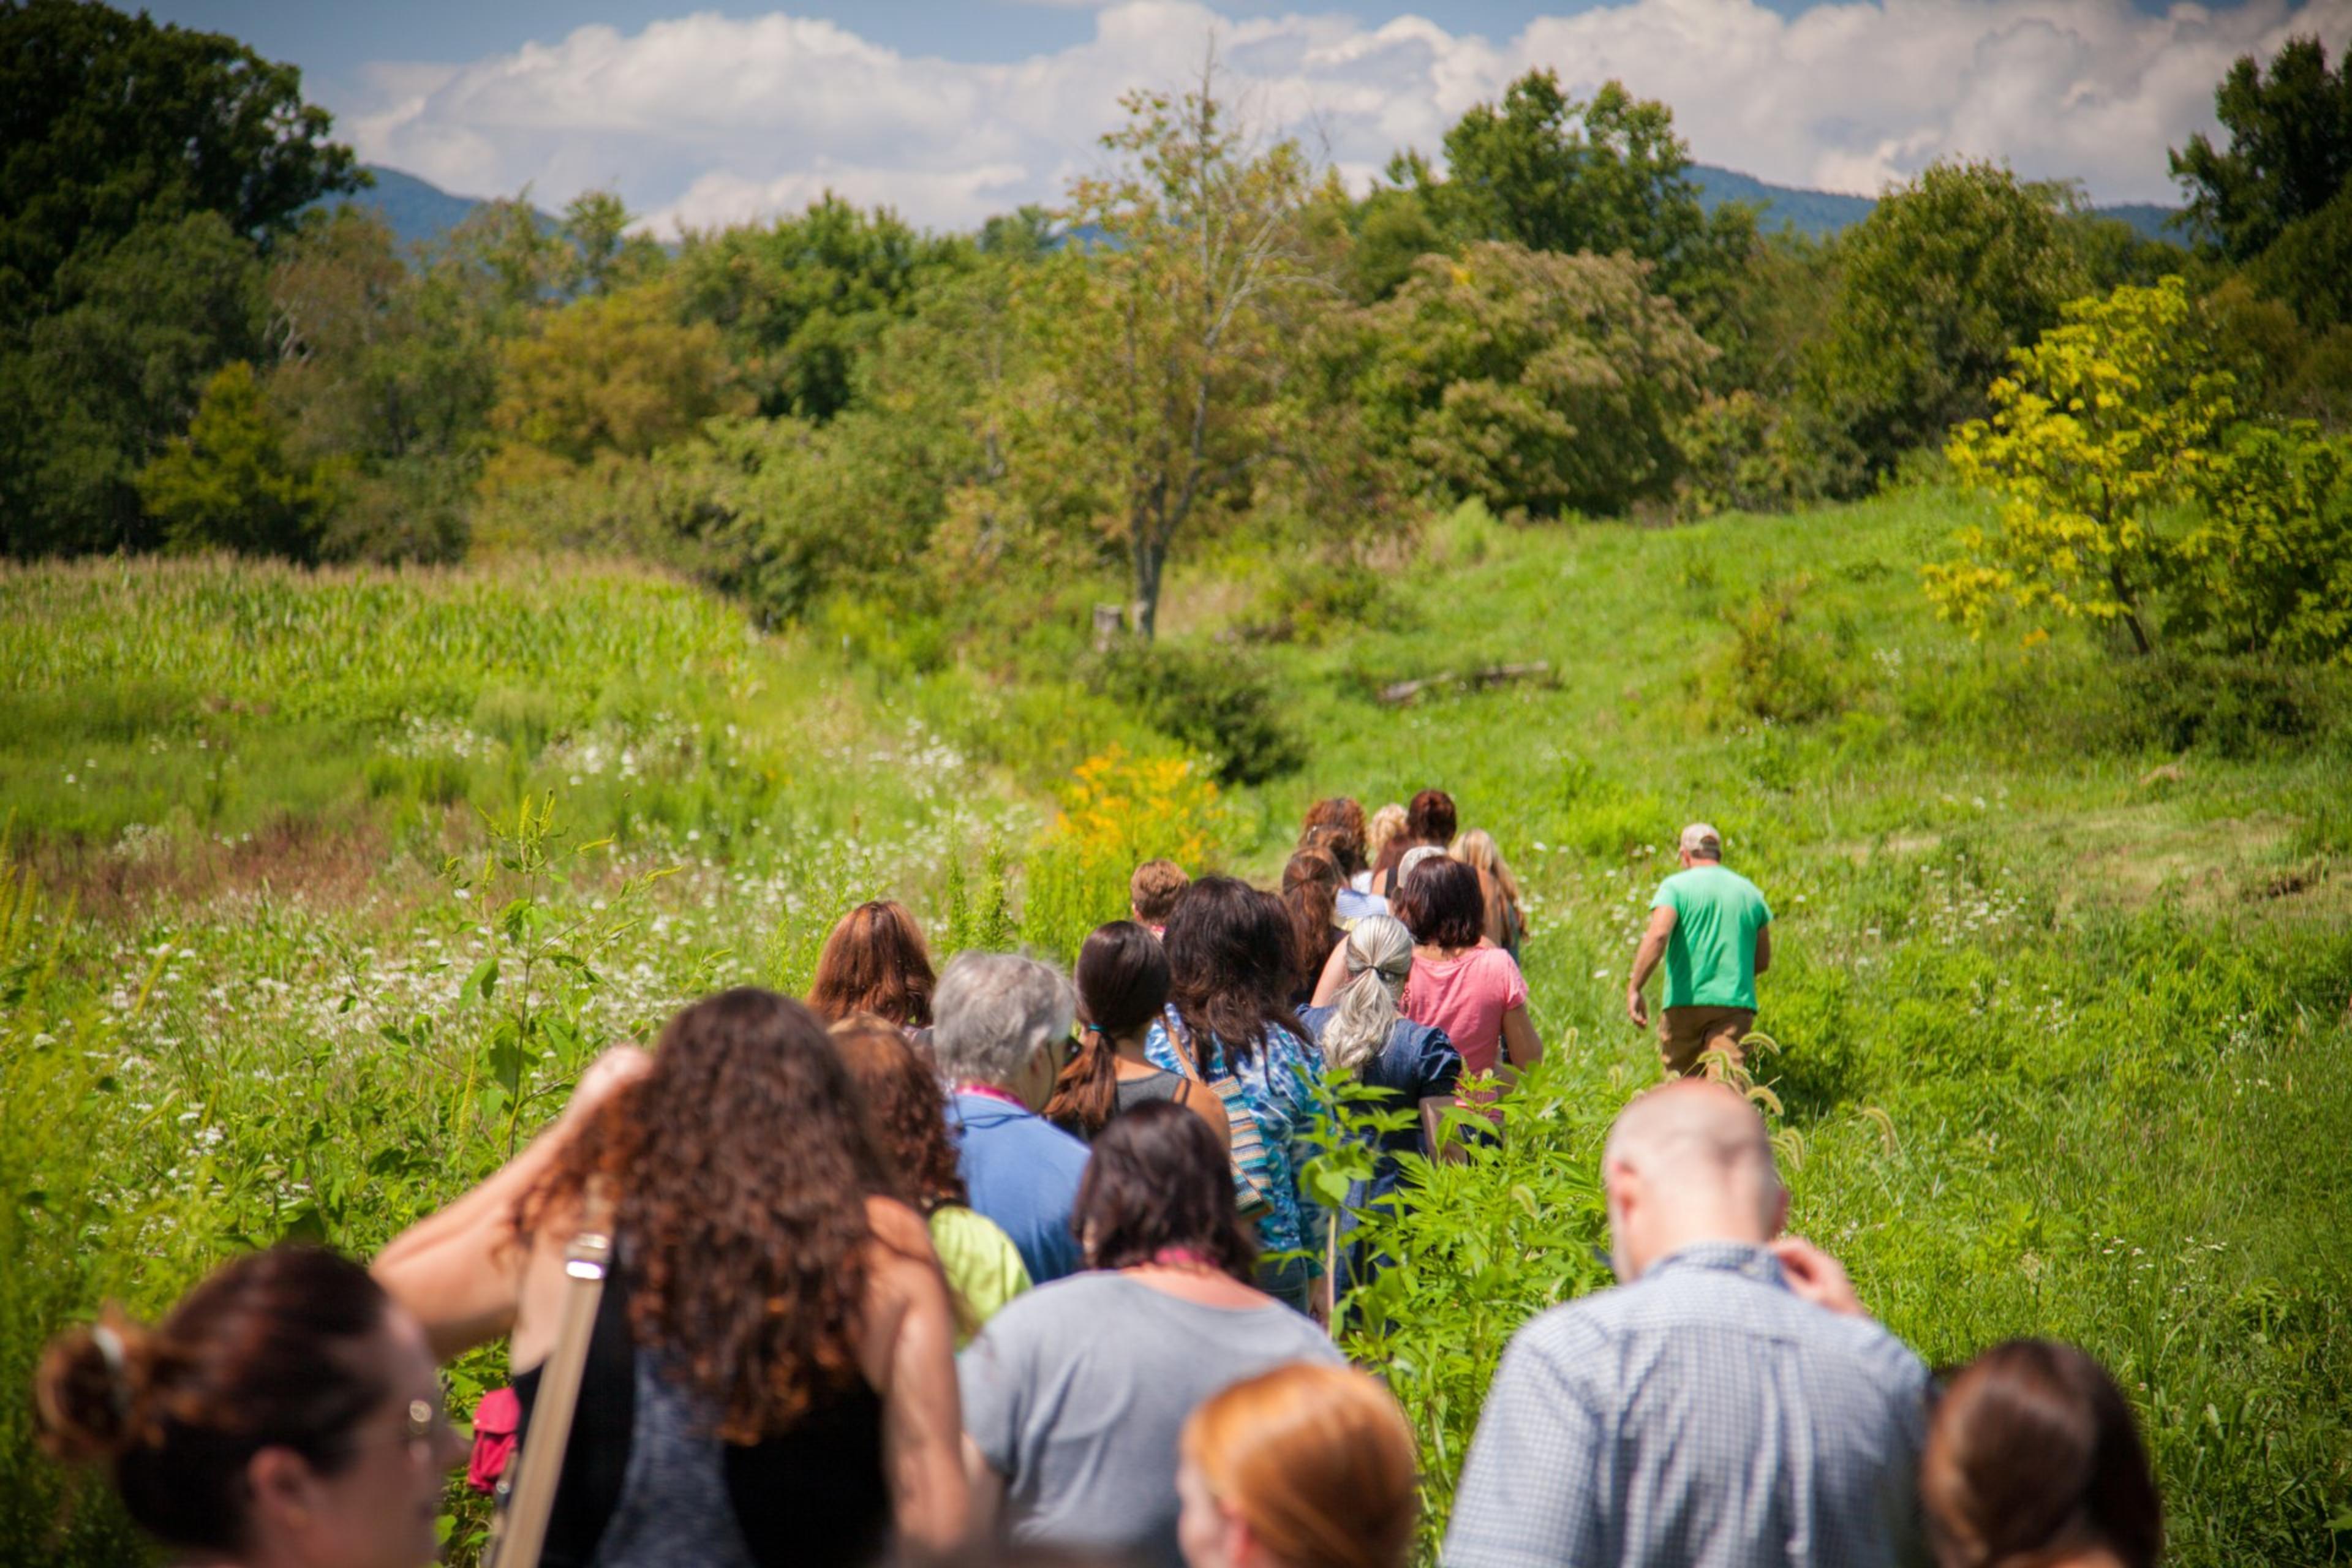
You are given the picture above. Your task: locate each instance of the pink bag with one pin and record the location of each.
(495, 1420)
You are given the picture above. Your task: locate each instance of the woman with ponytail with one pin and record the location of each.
(1366, 1032)
(286, 1412)
(1122, 984)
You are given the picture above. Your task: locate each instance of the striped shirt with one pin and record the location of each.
(1703, 1416)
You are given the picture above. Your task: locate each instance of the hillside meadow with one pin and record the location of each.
(320, 887)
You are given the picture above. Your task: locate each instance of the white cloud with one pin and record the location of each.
(706, 119)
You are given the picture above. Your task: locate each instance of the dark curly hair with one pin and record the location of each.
(741, 1159)
(875, 962)
(1158, 1181)
(1229, 964)
(1441, 904)
(905, 1110)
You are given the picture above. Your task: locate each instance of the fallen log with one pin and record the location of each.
(1404, 691)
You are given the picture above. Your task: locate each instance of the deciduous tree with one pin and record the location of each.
(230, 483)
(2109, 415)
(2290, 149)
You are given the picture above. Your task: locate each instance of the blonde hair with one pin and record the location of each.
(1386, 824)
(1316, 1460)
(1477, 847)
(1380, 962)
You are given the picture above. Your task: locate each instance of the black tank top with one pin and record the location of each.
(814, 1497)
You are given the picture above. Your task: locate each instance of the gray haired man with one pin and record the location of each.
(1000, 1031)
(1728, 1406)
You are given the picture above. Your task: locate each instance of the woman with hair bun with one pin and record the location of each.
(285, 1412)
(771, 1376)
(1302, 1466)
(2033, 1461)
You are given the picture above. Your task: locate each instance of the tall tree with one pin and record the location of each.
(108, 121)
(1169, 340)
(2290, 149)
(1937, 286)
(1609, 177)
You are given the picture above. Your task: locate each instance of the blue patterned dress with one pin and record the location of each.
(1280, 1091)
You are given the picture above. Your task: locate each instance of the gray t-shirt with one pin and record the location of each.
(1077, 1393)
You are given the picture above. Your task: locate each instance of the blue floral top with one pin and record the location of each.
(1280, 1084)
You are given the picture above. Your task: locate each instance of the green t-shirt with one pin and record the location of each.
(982, 1266)
(1711, 957)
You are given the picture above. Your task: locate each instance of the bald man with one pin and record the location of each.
(1712, 928)
(1729, 1405)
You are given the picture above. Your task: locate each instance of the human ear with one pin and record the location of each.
(1779, 1211)
(284, 1490)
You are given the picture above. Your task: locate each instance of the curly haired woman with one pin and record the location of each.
(771, 1377)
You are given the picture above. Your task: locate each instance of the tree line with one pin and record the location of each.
(1213, 337)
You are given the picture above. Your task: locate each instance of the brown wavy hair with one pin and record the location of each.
(741, 1160)
(1229, 967)
(1336, 827)
(1310, 897)
(875, 962)
(905, 1110)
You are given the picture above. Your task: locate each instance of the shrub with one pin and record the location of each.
(1208, 697)
(1772, 669)
(2238, 708)
(1313, 600)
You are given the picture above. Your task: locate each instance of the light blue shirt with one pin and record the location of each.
(1703, 1416)
(1023, 1173)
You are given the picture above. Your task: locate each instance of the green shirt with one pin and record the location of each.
(1711, 957)
(982, 1266)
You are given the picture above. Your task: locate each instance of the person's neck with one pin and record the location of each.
(1129, 1047)
(1699, 1231)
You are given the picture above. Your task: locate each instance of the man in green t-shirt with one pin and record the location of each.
(1713, 929)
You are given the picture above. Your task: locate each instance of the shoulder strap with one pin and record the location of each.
(520, 1530)
(1179, 1043)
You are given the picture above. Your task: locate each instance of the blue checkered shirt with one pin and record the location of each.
(1703, 1416)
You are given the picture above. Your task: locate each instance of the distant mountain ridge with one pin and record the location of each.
(418, 211)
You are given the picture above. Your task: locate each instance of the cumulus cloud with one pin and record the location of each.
(708, 119)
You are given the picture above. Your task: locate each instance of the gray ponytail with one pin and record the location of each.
(1380, 962)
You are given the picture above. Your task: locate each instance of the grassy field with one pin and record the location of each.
(293, 947)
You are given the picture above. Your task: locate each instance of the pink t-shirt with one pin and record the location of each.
(1466, 996)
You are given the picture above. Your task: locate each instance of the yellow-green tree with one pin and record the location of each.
(617, 373)
(2104, 419)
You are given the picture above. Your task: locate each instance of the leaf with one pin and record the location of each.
(483, 980)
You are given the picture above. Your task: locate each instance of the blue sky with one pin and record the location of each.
(950, 110)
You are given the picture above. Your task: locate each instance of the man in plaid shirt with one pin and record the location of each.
(1729, 1406)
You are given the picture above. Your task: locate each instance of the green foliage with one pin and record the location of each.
(1476, 1249)
(799, 303)
(114, 122)
(1210, 700)
(1531, 380)
(1775, 670)
(91, 389)
(615, 372)
(2290, 149)
(1544, 171)
(230, 482)
(2238, 708)
(2106, 416)
(2309, 265)
(2265, 566)
(1313, 599)
(1945, 278)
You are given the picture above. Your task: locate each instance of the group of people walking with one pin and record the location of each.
(1004, 1259)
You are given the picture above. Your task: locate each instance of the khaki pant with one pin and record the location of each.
(1686, 1034)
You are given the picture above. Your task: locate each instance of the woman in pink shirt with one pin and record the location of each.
(1461, 983)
